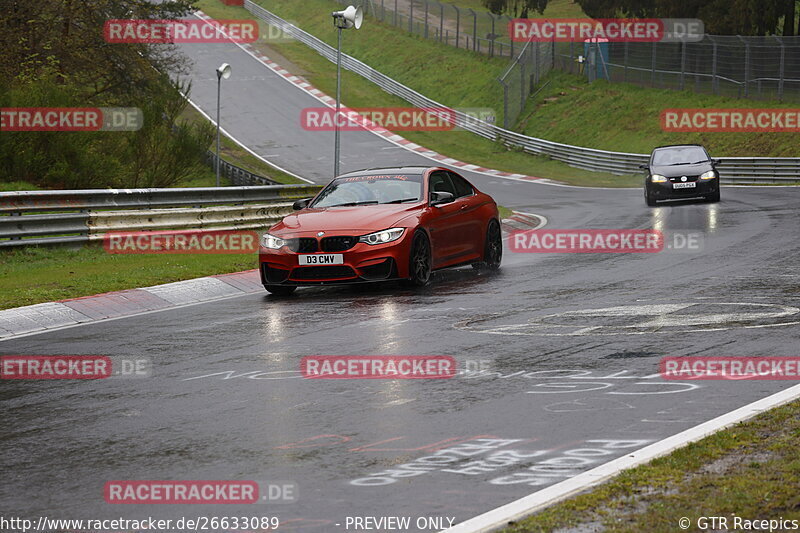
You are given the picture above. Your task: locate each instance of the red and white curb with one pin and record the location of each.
(33, 319)
(523, 221)
(390, 136)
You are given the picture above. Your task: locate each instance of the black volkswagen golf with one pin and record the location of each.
(681, 171)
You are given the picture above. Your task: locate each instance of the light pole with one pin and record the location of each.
(351, 17)
(223, 72)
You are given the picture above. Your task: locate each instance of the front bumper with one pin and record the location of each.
(362, 263)
(665, 191)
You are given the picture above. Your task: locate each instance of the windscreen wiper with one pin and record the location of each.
(402, 201)
(349, 204)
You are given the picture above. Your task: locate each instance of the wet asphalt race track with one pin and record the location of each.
(570, 342)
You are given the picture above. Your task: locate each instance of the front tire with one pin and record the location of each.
(492, 248)
(419, 261)
(280, 290)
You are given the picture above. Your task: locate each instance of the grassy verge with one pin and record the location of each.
(555, 8)
(751, 470)
(626, 117)
(39, 275)
(459, 79)
(18, 186)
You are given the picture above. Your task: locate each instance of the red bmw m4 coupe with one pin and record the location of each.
(382, 224)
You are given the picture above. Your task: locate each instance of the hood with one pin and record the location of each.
(357, 219)
(671, 171)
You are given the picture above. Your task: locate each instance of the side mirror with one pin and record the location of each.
(301, 204)
(717, 161)
(644, 167)
(441, 197)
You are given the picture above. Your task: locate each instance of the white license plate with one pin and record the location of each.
(688, 185)
(321, 259)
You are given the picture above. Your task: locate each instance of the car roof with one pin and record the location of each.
(416, 169)
(678, 146)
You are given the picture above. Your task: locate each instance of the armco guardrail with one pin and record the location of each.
(237, 175)
(733, 169)
(63, 217)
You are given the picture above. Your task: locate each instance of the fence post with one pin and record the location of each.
(783, 64)
(683, 65)
(536, 63)
(714, 81)
(510, 37)
(494, 36)
(571, 57)
(395, 14)
(505, 103)
(653, 66)
(474, 29)
(411, 17)
(426, 19)
(458, 23)
(625, 62)
(441, 21)
(522, 81)
(746, 64)
(383, 10)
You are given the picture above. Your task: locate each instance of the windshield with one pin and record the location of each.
(683, 155)
(366, 190)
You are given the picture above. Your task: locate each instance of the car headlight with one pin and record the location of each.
(272, 242)
(657, 178)
(710, 175)
(382, 237)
